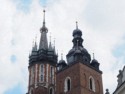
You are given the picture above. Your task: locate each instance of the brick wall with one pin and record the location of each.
(79, 74)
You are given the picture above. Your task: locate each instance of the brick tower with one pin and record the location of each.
(79, 75)
(42, 66)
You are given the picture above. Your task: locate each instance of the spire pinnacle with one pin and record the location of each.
(93, 56)
(76, 25)
(44, 17)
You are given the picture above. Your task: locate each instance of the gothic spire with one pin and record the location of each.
(43, 40)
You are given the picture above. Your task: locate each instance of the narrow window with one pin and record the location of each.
(52, 75)
(42, 73)
(68, 84)
(91, 84)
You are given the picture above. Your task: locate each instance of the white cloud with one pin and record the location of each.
(102, 23)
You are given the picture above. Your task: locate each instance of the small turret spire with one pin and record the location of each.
(76, 25)
(54, 44)
(93, 56)
(50, 45)
(34, 47)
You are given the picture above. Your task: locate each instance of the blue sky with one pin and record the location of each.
(16, 90)
(102, 23)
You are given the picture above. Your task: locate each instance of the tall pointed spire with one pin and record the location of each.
(43, 40)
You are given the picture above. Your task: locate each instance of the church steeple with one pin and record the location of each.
(43, 40)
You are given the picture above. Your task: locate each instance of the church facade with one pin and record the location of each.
(80, 75)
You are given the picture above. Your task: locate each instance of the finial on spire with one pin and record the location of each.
(93, 56)
(44, 17)
(76, 25)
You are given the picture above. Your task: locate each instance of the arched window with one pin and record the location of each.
(91, 83)
(52, 74)
(67, 84)
(51, 91)
(42, 72)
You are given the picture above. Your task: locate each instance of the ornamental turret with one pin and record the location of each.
(95, 63)
(61, 64)
(78, 52)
